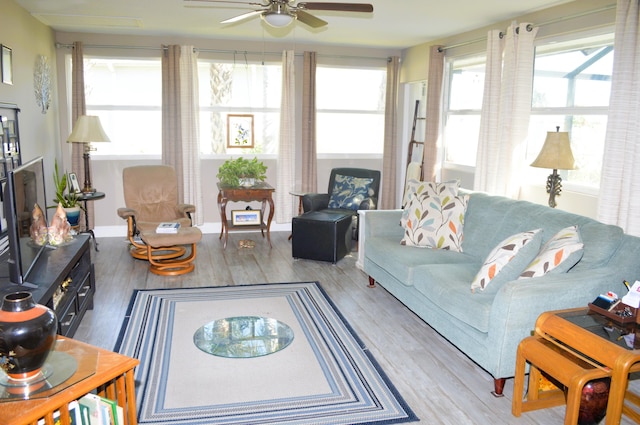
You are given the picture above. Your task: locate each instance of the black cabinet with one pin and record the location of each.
(63, 279)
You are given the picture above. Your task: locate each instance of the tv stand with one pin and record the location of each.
(63, 279)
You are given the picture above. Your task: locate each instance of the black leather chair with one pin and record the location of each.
(320, 201)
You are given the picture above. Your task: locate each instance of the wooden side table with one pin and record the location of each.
(109, 374)
(583, 334)
(260, 192)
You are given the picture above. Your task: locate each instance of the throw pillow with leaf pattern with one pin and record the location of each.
(558, 255)
(434, 217)
(348, 192)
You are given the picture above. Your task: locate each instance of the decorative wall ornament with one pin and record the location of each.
(42, 82)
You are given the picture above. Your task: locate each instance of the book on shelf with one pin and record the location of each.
(96, 410)
(74, 415)
(168, 228)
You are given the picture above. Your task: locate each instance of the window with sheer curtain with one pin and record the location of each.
(571, 87)
(462, 109)
(126, 95)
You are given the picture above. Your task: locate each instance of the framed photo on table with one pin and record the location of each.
(74, 185)
(246, 217)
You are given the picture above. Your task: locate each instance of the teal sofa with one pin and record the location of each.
(488, 325)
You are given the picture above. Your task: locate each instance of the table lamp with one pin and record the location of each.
(555, 154)
(87, 130)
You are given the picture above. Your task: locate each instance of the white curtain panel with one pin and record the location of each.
(506, 108)
(286, 148)
(190, 107)
(620, 182)
(389, 193)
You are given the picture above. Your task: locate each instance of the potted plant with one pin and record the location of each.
(65, 197)
(242, 172)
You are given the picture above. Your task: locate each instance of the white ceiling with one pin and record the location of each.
(393, 24)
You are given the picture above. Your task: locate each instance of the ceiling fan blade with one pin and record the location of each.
(342, 7)
(201, 3)
(309, 19)
(242, 17)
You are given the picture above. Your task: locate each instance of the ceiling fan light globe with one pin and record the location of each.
(277, 20)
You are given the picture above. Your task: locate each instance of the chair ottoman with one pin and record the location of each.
(158, 243)
(321, 235)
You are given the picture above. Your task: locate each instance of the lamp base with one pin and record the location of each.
(87, 173)
(554, 187)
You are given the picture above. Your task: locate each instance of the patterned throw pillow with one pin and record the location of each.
(434, 219)
(507, 260)
(348, 192)
(559, 254)
(416, 187)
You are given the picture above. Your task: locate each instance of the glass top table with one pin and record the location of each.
(243, 337)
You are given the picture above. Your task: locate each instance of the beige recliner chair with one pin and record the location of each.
(151, 197)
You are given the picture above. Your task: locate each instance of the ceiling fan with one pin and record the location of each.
(280, 13)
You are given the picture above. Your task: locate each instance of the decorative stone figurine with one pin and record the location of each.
(38, 230)
(59, 228)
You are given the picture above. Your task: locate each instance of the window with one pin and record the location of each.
(127, 96)
(247, 89)
(571, 87)
(463, 105)
(350, 106)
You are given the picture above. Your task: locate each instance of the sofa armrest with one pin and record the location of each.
(518, 304)
(383, 223)
(315, 201)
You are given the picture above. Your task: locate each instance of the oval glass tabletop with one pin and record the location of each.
(245, 336)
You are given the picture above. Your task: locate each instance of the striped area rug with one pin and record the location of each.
(325, 376)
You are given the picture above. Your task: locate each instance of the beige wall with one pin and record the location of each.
(28, 38)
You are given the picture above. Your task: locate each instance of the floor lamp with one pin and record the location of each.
(86, 131)
(555, 154)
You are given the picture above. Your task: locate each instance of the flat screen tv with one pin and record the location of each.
(24, 187)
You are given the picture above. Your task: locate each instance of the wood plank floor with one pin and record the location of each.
(440, 383)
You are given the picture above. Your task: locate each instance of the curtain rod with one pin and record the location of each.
(529, 27)
(231, 52)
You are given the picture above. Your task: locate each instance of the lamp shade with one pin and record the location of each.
(556, 152)
(278, 19)
(88, 130)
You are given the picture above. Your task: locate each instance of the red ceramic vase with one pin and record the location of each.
(593, 402)
(27, 335)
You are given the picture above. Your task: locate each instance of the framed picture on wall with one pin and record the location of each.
(7, 67)
(240, 131)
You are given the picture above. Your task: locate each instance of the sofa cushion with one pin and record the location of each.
(348, 192)
(434, 216)
(558, 255)
(508, 259)
(401, 262)
(447, 285)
